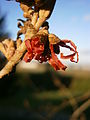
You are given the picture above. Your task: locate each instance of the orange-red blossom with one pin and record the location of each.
(39, 48)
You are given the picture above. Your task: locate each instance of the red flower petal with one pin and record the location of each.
(74, 49)
(55, 62)
(28, 57)
(37, 46)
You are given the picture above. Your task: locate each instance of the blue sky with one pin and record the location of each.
(70, 20)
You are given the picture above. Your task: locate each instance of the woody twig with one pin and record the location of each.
(35, 19)
(38, 44)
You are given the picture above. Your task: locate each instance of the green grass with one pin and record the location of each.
(22, 93)
(80, 85)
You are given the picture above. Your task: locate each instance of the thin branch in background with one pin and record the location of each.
(80, 110)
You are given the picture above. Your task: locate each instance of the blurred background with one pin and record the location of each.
(37, 92)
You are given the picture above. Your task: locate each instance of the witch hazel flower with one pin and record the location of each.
(45, 48)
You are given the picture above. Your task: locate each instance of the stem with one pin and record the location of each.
(81, 109)
(17, 56)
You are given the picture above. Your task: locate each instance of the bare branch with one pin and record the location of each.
(29, 29)
(81, 109)
(36, 26)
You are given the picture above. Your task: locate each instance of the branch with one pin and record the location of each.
(29, 30)
(45, 12)
(38, 44)
(81, 109)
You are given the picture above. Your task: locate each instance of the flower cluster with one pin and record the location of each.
(43, 50)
